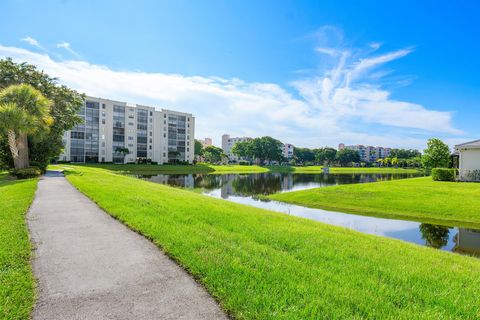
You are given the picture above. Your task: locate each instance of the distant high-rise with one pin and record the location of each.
(121, 132)
(228, 143)
(368, 153)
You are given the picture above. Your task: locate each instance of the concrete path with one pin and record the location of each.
(90, 266)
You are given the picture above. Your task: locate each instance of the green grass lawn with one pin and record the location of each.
(16, 279)
(420, 199)
(224, 169)
(261, 264)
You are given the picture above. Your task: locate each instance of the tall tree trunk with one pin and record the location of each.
(13, 145)
(19, 149)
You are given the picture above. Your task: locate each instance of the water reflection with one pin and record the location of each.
(435, 236)
(243, 188)
(265, 183)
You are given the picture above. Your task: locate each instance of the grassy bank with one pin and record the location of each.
(421, 199)
(265, 265)
(16, 279)
(224, 169)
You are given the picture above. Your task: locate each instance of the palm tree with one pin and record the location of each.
(23, 111)
(394, 161)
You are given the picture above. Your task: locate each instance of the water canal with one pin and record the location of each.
(245, 189)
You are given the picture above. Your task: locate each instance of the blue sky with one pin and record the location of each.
(312, 73)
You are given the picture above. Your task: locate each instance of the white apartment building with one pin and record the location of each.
(368, 153)
(287, 150)
(111, 127)
(228, 143)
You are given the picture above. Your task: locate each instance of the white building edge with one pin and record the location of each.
(469, 160)
(149, 134)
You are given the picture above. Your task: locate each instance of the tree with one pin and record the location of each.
(243, 149)
(262, 149)
(66, 103)
(304, 155)
(213, 154)
(346, 156)
(198, 148)
(122, 150)
(437, 154)
(23, 110)
(405, 153)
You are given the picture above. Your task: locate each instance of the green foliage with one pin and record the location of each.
(262, 149)
(17, 284)
(405, 153)
(325, 155)
(26, 173)
(444, 174)
(261, 264)
(213, 154)
(347, 156)
(122, 150)
(198, 148)
(437, 154)
(66, 103)
(303, 155)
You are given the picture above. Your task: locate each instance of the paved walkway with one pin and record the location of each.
(90, 266)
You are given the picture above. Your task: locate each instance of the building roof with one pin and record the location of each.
(470, 144)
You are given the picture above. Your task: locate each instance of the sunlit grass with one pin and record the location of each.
(16, 279)
(420, 199)
(264, 265)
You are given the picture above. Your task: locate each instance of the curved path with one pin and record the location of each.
(90, 266)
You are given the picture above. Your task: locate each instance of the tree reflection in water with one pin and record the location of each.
(435, 236)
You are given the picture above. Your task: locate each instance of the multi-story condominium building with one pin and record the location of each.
(368, 153)
(121, 132)
(228, 143)
(287, 151)
(206, 142)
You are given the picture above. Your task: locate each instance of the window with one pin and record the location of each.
(164, 135)
(164, 154)
(188, 149)
(165, 115)
(150, 133)
(130, 138)
(103, 105)
(151, 113)
(103, 121)
(150, 147)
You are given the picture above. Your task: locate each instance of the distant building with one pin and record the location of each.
(287, 151)
(227, 144)
(368, 153)
(206, 142)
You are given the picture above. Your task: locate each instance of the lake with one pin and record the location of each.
(245, 188)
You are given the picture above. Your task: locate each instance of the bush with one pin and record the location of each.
(243, 163)
(444, 174)
(26, 173)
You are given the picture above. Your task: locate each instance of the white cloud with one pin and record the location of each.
(340, 105)
(68, 47)
(30, 41)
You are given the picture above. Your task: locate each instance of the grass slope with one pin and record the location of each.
(265, 265)
(16, 279)
(420, 199)
(221, 169)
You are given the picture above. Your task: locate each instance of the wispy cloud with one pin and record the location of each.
(344, 103)
(68, 47)
(33, 42)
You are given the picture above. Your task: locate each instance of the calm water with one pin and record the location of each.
(243, 188)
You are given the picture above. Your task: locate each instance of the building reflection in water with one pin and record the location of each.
(466, 241)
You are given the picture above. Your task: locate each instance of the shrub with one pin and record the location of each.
(243, 163)
(444, 174)
(26, 173)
